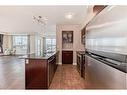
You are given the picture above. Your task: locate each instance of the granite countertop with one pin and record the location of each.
(37, 56)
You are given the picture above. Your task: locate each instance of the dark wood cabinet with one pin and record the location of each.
(83, 35)
(81, 63)
(67, 57)
(36, 74)
(98, 8)
(39, 72)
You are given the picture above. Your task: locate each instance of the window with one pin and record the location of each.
(49, 45)
(20, 44)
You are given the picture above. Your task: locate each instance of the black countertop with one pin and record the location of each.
(38, 56)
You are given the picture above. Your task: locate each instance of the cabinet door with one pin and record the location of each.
(67, 57)
(36, 74)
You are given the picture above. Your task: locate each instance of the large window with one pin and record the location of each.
(49, 45)
(20, 44)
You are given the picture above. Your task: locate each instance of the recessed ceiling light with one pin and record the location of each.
(69, 15)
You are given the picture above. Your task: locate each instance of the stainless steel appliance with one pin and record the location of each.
(103, 72)
(106, 46)
(81, 63)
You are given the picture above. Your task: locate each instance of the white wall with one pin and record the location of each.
(49, 30)
(77, 46)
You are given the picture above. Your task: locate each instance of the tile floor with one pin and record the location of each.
(67, 77)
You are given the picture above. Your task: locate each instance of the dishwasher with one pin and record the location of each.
(104, 73)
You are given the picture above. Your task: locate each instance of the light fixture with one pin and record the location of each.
(69, 15)
(40, 20)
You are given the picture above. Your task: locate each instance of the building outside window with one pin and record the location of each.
(20, 44)
(49, 45)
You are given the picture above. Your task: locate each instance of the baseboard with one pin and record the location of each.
(59, 63)
(74, 63)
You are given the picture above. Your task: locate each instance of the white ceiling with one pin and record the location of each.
(17, 19)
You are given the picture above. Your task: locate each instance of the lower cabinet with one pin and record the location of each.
(36, 74)
(39, 72)
(67, 57)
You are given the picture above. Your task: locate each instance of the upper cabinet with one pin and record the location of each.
(98, 8)
(83, 35)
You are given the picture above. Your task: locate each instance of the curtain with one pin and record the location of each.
(1, 43)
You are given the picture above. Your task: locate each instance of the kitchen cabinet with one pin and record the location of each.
(67, 57)
(98, 8)
(36, 74)
(83, 35)
(39, 71)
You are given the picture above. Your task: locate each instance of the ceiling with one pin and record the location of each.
(19, 19)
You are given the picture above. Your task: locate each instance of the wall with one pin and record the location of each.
(77, 46)
(49, 30)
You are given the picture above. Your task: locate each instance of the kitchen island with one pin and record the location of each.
(39, 70)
